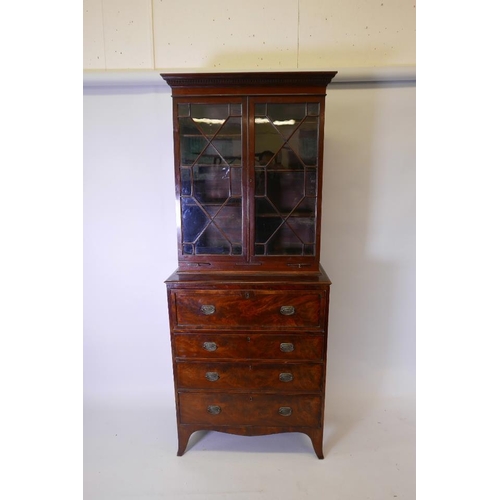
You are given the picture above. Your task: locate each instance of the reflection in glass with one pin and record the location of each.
(235, 181)
(311, 187)
(286, 188)
(235, 109)
(212, 242)
(194, 220)
(284, 242)
(308, 141)
(313, 108)
(303, 227)
(211, 184)
(183, 110)
(260, 182)
(211, 180)
(186, 182)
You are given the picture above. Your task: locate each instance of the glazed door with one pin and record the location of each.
(210, 152)
(249, 182)
(287, 139)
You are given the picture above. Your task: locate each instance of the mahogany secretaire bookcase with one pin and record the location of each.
(248, 304)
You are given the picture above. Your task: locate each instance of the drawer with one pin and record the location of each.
(261, 376)
(248, 309)
(250, 409)
(249, 346)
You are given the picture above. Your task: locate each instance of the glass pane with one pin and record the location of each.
(260, 109)
(286, 115)
(263, 208)
(311, 186)
(228, 141)
(192, 141)
(194, 220)
(285, 118)
(183, 110)
(186, 182)
(260, 182)
(307, 207)
(285, 189)
(303, 227)
(265, 228)
(210, 110)
(289, 159)
(313, 109)
(235, 181)
(212, 242)
(286, 183)
(209, 156)
(211, 184)
(268, 142)
(209, 117)
(235, 109)
(211, 178)
(237, 250)
(309, 249)
(260, 249)
(188, 249)
(228, 220)
(267, 220)
(308, 141)
(284, 242)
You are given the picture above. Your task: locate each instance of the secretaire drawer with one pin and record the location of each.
(248, 309)
(305, 377)
(249, 346)
(249, 409)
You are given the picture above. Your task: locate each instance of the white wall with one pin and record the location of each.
(129, 238)
(368, 242)
(367, 247)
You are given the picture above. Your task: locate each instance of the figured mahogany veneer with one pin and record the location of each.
(248, 305)
(262, 376)
(254, 409)
(244, 309)
(248, 346)
(245, 366)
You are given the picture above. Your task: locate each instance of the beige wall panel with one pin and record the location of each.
(128, 39)
(222, 35)
(334, 33)
(93, 35)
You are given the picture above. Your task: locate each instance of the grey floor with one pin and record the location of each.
(130, 453)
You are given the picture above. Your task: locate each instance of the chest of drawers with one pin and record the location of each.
(249, 354)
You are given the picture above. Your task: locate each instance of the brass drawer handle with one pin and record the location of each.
(285, 411)
(214, 409)
(207, 309)
(286, 377)
(212, 376)
(286, 347)
(287, 310)
(209, 346)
